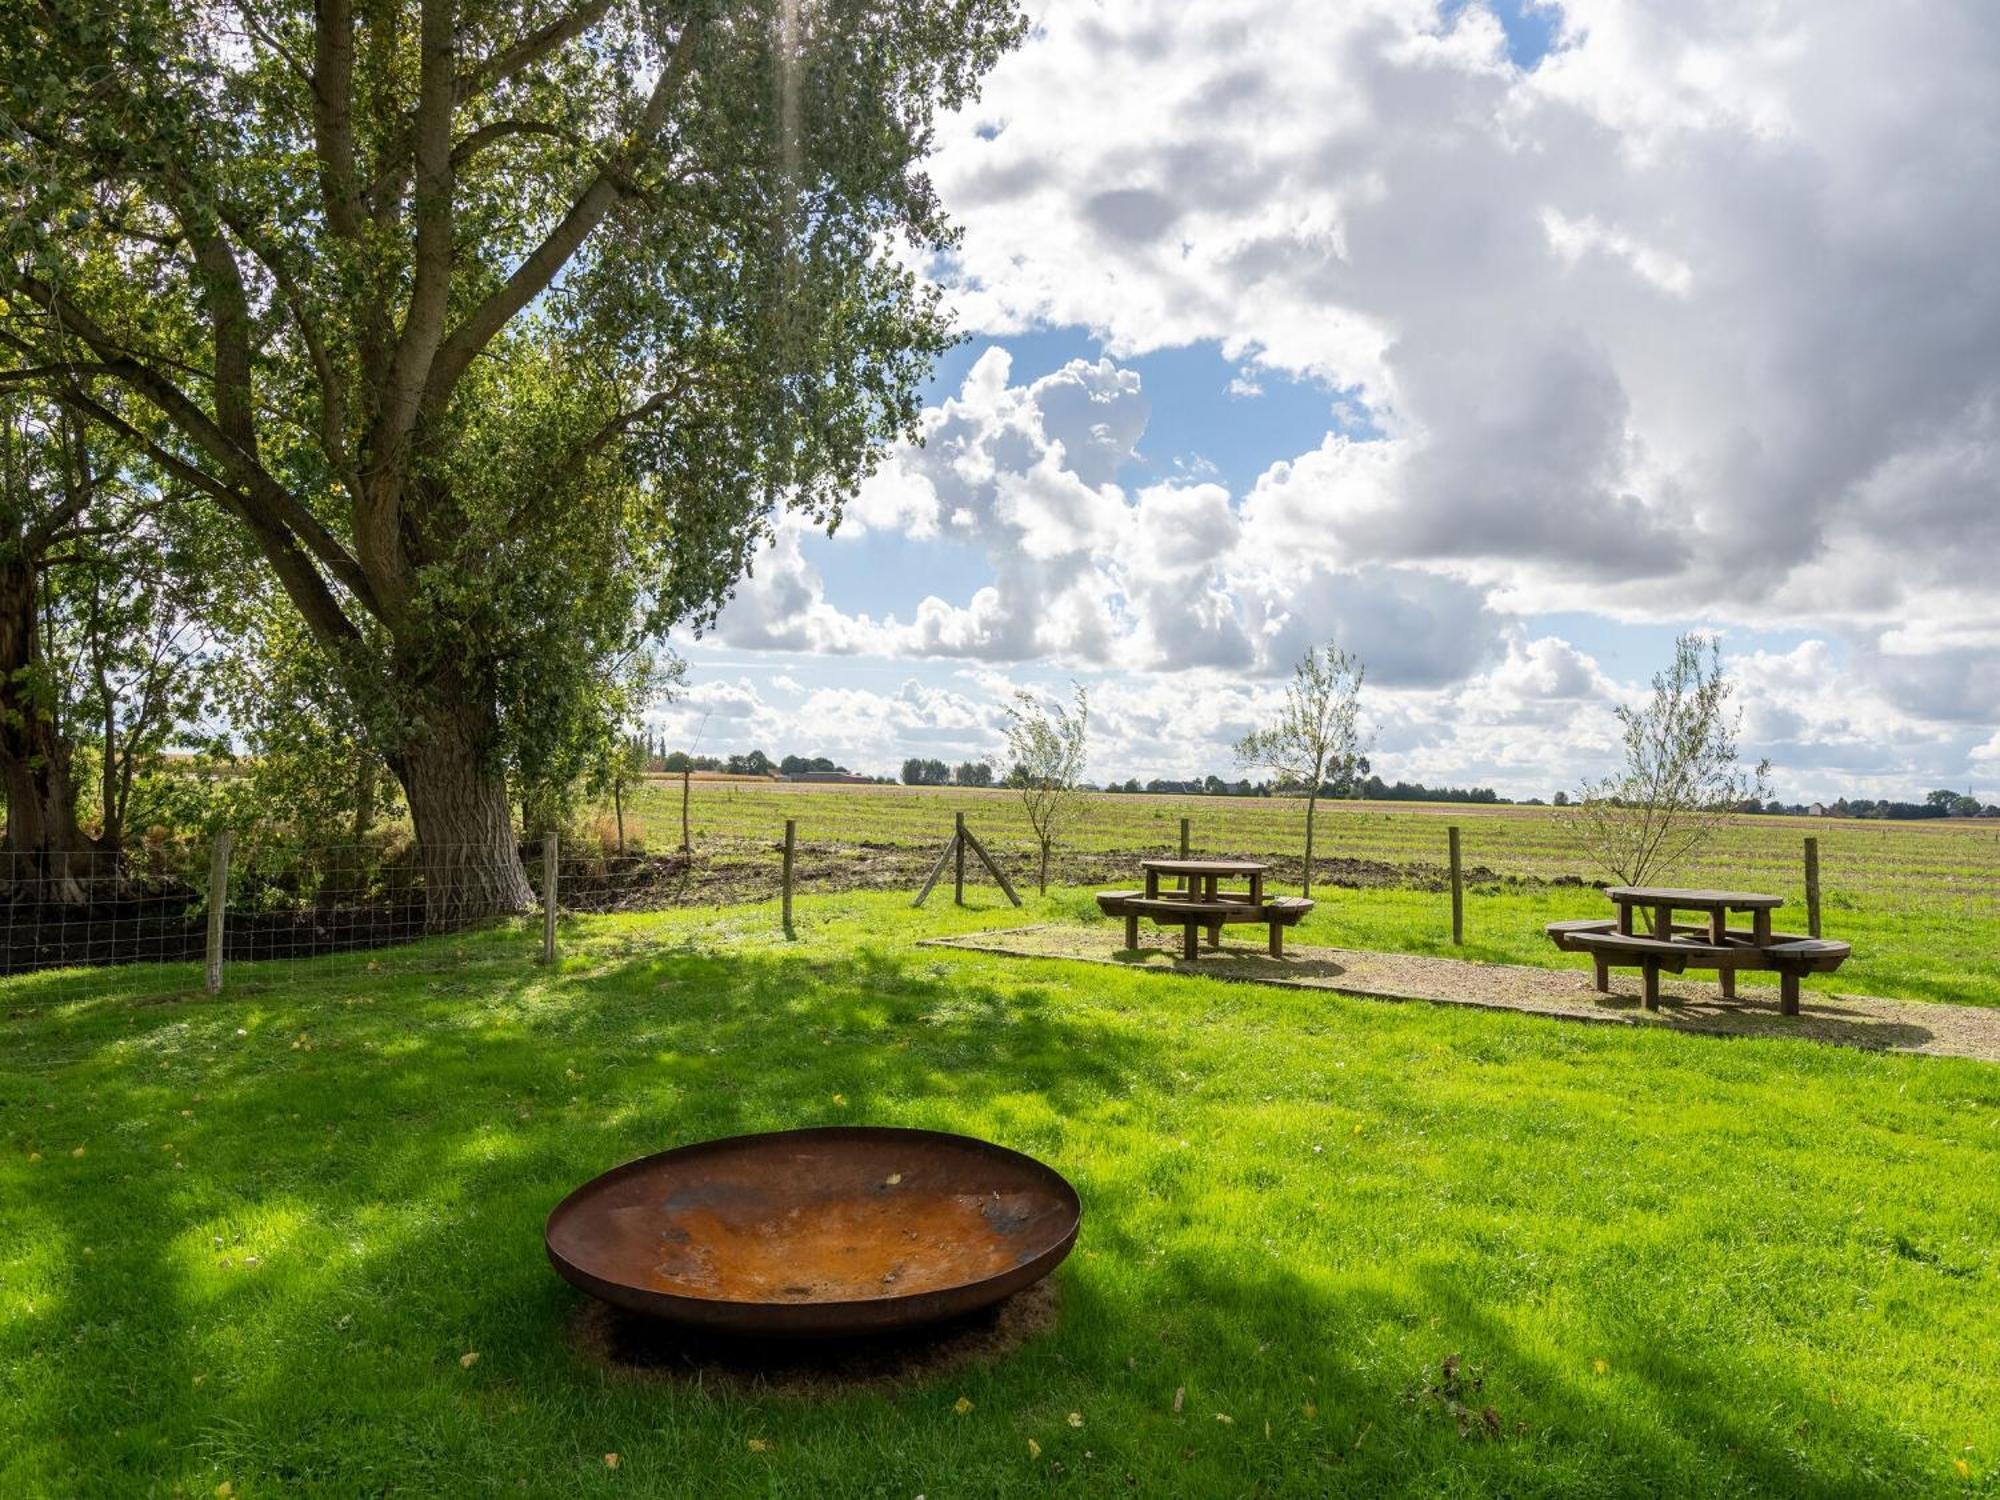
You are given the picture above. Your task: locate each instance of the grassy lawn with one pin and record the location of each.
(249, 1241)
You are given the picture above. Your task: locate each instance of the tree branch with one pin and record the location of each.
(486, 135)
(430, 286)
(535, 273)
(333, 400)
(333, 115)
(321, 610)
(277, 508)
(530, 49)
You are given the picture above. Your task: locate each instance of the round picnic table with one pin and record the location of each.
(1663, 901)
(1202, 877)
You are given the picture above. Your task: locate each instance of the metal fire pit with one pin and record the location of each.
(838, 1230)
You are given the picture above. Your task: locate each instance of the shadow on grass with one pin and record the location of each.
(373, 1167)
(390, 1173)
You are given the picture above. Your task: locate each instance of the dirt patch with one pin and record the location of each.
(729, 871)
(1864, 1021)
(639, 1349)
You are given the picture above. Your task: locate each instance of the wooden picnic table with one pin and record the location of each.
(1710, 944)
(1201, 879)
(1663, 901)
(1197, 901)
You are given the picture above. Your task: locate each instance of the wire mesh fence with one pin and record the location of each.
(286, 902)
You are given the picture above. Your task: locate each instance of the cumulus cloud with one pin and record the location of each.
(1692, 319)
(1697, 306)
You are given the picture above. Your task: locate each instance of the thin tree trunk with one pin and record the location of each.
(687, 844)
(1042, 883)
(618, 806)
(465, 827)
(43, 842)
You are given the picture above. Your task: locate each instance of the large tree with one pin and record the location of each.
(500, 328)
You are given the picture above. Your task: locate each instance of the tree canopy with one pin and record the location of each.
(1315, 739)
(1681, 774)
(501, 329)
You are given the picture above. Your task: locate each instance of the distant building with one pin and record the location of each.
(1817, 810)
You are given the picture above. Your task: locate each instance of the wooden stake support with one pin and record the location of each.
(953, 853)
(1812, 887)
(1457, 891)
(791, 845)
(218, 905)
(549, 852)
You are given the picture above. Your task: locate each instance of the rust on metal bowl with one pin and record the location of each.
(838, 1230)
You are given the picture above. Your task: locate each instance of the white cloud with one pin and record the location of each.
(1693, 320)
(1698, 305)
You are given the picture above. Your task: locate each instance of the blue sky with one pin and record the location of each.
(1498, 343)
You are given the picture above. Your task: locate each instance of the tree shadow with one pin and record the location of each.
(429, 1133)
(417, 1148)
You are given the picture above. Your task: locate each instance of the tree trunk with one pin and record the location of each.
(1312, 805)
(465, 826)
(364, 799)
(47, 857)
(1042, 882)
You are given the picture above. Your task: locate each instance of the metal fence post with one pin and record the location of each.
(1457, 892)
(218, 904)
(551, 848)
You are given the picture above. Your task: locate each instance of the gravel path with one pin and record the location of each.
(1847, 1020)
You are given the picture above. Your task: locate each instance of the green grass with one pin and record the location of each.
(1919, 901)
(1678, 1265)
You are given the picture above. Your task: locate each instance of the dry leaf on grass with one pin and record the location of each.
(467, 1360)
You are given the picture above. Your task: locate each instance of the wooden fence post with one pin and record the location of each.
(218, 904)
(1812, 887)
(791, 843)
(1184, 838)
(551, 848)
(958, 854)
(1457, 892)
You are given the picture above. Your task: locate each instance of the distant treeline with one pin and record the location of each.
(1938, 804)
(927, 771)
(1369, 788)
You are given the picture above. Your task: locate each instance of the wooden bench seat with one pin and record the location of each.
(1790, 957)
(1562, 932)
(1274, 912)
(1808, 955)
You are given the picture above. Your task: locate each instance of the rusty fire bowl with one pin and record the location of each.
(844, 1229)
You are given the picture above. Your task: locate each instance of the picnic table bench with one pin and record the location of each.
(1200, 903)
(1711, 943)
